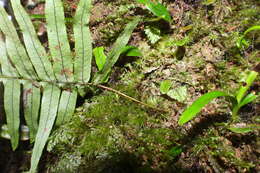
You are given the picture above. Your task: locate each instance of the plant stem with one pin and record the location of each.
(235, 113)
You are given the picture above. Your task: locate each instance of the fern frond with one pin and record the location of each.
(12, 110)
(83, 42)
(36, 51)
(66, 106)
(15, 49)
(58, 40)
(49, 107)
(31, 106)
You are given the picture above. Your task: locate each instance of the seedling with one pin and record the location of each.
(242, 43)
(239, 100)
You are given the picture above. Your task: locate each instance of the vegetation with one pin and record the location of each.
(124, 109)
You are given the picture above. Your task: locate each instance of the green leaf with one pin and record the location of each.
(100, 57)
(246, 129)
(58, 40)
(35, 51)
(179, 93)
(182, 42)
(83, 41)
(242, 42)
(165, 86)
(116, 51)
(49, 106)
(157, 9)
(131, 51)
(12, 109)
(243, 89)
(196, 106)
(66, 106)
(15, 48)
(247, 99)
(31, 106)
(6, 67)
(253, 28)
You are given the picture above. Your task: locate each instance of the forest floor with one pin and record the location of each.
(197, 52)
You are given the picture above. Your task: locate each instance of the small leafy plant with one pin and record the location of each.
(242, 43)
(239, 100)
(157, 9)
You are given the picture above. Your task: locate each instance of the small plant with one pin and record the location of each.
(239, 100)
(179, 93)
(157, 9)
(242, 43)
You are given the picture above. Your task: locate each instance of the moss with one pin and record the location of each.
(109, 127)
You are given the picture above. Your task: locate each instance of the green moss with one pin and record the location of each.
(108, 127)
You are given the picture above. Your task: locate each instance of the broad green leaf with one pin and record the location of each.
(243, 89)
(116, 51)
(247, 99)
(83, 41)
(196, 106)
(179, 93)
(157, 9)
(34, 48)
(165, 86)
(100, 57)
(31, 106)
(131, 51)
(66, 106)
(58, 40)
(12, 109)
(49, 107)
(14, 47)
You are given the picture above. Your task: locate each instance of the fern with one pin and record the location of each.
(43, 82)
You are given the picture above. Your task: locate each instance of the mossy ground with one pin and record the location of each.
(197, 50)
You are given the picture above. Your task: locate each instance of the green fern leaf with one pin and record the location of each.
(12, 109)
(66, 106)
(37, 52)
(15, 48)
(49, 107)
(58, 41)
(83, 42)
(31, 105)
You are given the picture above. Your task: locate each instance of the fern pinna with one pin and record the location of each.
(34, 80)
